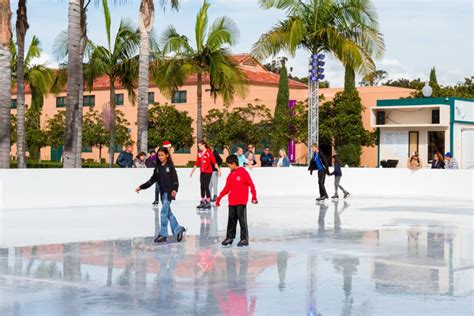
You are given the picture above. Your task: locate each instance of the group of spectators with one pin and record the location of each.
(267, 159)
(142, 160)
(440, 161)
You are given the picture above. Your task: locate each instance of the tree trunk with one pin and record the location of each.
(100, 153)
(36, 108)
(199, 107)
(74, 82)
(5, 83)
(21, 28)
(145, 24)
(112, 123)
(79, 112)
(349, 80)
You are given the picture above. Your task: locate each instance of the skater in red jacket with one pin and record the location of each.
(237, 186)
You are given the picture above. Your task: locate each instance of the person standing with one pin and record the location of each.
(240, 155)
(438, 161)
(205, 160)
(250, 151)
(166, 176)
(319, 163)
(139, 161)
(337, 173)
(237, 186)
(451, 162)
(213, 187)
(283, 160)
(266, 159)
(125, 159)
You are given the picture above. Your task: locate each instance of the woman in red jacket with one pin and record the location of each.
(205, 160)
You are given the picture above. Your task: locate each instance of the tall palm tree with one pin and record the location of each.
(74, 81)
(119, 62)
(21, 28)
(5, 82)
(210, 56)
(41, 80)
(348, 29)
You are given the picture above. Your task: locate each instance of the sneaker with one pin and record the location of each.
(243, 243)
(227, 242)
(201, 205)
(160, 239)
(180, 235)
(346, 195)
(335, 196)
(156, 202)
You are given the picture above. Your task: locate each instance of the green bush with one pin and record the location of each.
(34, 164)
(349, 154)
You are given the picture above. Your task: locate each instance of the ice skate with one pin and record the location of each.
(346, 195)
(227, 242)
(243, 243)
(335, 197)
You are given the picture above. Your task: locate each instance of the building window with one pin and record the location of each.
(86, 149)
(412, 143)
(119, 99)
(184, 150)
(13, 104)
(89, 100)
(60, 102)
(151, 97)
(179, 97)
(435, 144)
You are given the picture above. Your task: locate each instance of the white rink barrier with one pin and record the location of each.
(44, 188)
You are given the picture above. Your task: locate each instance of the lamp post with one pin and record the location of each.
(316, 73)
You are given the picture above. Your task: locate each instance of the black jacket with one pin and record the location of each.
(266, 160)
(337, 170)
(171, 180)
(313, 166)
(218, 159)
(125, 160)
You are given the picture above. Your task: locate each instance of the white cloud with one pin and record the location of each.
(45, 60)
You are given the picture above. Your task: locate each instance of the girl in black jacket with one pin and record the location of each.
(167, 178)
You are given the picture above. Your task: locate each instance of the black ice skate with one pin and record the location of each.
(214, 199)
(201, 205)
(156, 202)
(346, 195)
(335, 197)
(207, 206)
(180, 235)
(227, 242)
(243, 243)
(160, 239)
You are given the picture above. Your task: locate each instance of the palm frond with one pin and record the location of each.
(108, 21)
(223, 31)
(201, 26)
(173, 42)
(272, 42)
(60, 46)
(34, 51)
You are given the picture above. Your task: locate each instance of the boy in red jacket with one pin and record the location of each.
(237, 186)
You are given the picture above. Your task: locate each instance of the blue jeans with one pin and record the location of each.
(167, 216)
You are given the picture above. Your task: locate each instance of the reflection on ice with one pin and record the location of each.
(326, 268)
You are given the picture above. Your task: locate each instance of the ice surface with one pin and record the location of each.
(364, 256)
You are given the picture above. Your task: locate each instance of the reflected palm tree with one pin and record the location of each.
(282, 264)
(72, 261)
(18, 261)
(3, 261)
(110, 262)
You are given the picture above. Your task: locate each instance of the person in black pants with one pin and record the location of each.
(319, 163)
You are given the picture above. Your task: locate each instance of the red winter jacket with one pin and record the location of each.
(205, 160)
(237, 186)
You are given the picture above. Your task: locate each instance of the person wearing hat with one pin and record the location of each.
(167, 144)
(450, 162)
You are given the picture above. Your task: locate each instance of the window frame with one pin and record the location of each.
(178, 97)
(88, 97)
(119, 99)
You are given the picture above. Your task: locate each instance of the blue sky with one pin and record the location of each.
(419, 34)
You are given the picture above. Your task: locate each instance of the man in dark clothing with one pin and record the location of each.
(266, 159)
(318, 162)
(125, 159)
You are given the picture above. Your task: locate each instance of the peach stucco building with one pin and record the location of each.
(263, 89)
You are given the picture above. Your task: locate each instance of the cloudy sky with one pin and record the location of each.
(419, 34)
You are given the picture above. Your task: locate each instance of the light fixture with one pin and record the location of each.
(427, 90)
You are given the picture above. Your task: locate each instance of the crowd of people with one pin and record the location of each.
(440, 161)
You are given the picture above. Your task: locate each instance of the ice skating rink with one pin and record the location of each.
(369, 255)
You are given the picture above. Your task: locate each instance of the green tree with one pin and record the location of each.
(122, 130)
(41, 81)
(168, 123)
(342, 28)
(119, 62)
(341, 126)
(228, 128)
(433, 80)
(211, 56)
(280, 127)
(55, 128)
(12, 128)
(461, 90)
(94, 132)
(405, 83)
(374, 78)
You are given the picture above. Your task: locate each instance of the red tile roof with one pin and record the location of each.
(256, 75)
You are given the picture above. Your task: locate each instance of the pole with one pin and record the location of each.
(313, 114)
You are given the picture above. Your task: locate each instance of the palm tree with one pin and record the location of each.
(147, 11)
(118, 61)
(21, 28)
(74, 81)
(41, 80)
(348, 29)
(210, 56)
(5, 83)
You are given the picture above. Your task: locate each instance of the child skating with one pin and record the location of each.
(165, 175)
(237, 186)
(338, 175)
(205, 160)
